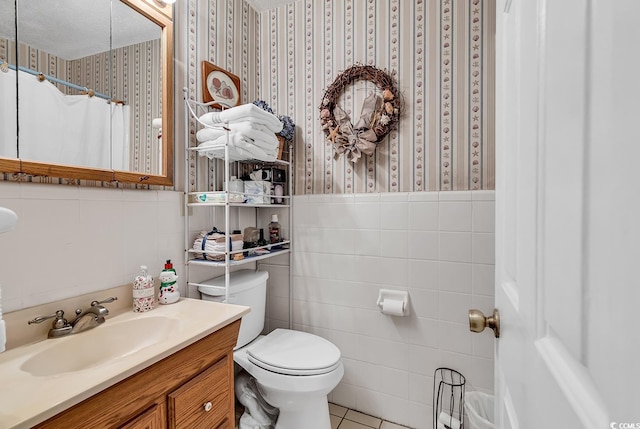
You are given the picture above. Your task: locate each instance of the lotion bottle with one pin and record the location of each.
(274, 230)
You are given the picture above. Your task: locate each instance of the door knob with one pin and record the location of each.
(478, 321)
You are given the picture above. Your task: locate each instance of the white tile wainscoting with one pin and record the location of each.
(72, 240)
(438, 246)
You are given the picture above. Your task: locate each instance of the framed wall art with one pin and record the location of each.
(219, 86)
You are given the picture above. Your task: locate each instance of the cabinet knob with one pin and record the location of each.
(208, 406)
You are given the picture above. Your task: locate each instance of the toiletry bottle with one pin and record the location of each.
(169, 292)
(261, 240)
(274, 230)
(143, 292)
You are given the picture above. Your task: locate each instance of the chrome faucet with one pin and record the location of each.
(85, 320)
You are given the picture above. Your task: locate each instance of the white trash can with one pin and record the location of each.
(479, 409)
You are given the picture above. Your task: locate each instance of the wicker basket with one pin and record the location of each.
(281, 146)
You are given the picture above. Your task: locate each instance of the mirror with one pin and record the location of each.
(121, 53)
(8, 81)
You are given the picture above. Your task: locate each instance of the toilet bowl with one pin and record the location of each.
(294, 371)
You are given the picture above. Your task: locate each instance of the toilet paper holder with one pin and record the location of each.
(393, 302)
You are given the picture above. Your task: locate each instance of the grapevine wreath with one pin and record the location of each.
(378, 116)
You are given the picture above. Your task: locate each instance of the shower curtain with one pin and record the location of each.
(8, 115)
(69, 129)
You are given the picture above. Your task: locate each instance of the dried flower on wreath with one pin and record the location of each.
(288, 126)
(379, 114)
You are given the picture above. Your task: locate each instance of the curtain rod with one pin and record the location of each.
(41, 77)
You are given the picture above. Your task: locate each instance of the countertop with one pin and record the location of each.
(27, 399)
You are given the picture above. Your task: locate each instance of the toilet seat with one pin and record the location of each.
(288, 352)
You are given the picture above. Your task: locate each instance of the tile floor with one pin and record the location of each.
(344, 418)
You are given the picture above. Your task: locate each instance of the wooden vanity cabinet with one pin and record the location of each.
(154, 418)
(192, 388)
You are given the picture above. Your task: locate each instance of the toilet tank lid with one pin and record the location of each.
(239, 281)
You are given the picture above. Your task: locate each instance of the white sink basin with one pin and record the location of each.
(41, 379)
(104, 343)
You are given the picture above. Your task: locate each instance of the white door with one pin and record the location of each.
(568, 214)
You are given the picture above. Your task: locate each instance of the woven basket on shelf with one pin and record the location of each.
(281, 146)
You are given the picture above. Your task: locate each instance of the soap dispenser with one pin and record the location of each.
(169, 292)
(144, 294)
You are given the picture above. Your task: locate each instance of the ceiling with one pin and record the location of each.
(72, 29)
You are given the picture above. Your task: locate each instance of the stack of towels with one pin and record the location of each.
(215, 242)
(252, 133)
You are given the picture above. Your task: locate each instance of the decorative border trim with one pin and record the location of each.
(446, 95)
(394, 147)
(348, 60)
(419, 116)
(476, 120)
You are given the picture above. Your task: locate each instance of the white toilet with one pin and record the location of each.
(294, 370)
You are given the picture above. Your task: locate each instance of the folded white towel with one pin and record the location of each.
(244, 112)
(251, 129)
(265, 141)
(234, 155)
(217, 248)
(240, 148)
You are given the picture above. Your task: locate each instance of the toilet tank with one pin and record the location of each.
(246, 287)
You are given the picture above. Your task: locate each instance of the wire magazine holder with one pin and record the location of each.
(448, 399)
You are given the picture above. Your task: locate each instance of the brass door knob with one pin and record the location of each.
(478, 321)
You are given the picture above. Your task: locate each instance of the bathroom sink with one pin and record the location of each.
(102, 344)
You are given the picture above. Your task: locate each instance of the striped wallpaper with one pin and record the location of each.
(135, 74)
(441, 53)
(225, 33)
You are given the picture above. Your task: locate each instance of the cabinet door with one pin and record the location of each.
(206, 400)
(224, 425)
(153, 418)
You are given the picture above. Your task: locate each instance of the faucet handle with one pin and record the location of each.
(106, 301)
(60, 321)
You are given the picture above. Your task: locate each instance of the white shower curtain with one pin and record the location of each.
(120, 137)
(8, 115)
(69, 129)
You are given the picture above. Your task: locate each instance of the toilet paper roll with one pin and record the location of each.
(392, 307)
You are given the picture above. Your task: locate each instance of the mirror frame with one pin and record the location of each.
(162, 15)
